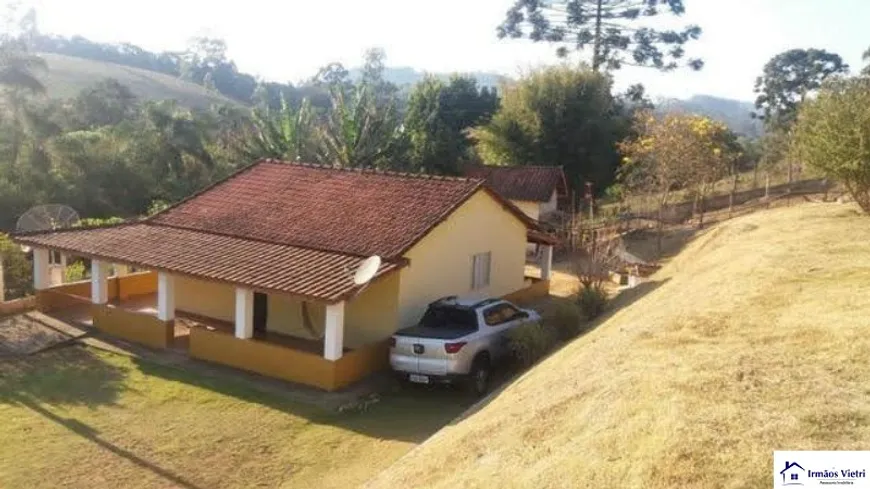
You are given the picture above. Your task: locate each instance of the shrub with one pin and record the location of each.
(592, 300)
(17, 270)
(821, 141)
(565, 319)
(74, 272)
(529, 342)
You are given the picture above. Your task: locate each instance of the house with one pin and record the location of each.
(533, 189)
(256, 271)
(792, 474)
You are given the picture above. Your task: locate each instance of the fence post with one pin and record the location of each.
(731, 196)
(767, 186)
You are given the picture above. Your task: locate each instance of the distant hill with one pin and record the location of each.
(68, 75)
(405, 75)
(734, 113)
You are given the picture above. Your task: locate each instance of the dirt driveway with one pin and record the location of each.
(25, 334)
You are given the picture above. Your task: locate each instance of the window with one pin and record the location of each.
(54, 257)
(449, 317)
(794, 477)
(480, 270)
(499, 314)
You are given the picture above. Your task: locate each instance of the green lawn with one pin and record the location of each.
(79, 417)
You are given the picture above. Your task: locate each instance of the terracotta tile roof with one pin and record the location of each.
(529, 183)
(318, 275)
(284, 227)
(347, 211)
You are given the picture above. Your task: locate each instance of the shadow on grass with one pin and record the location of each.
(402, 412)
(72, 376)
(92, 435)
(643, 243)
(625, 298)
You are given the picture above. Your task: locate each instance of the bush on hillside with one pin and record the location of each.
(565, 319)
(592, 300)
(821, 142)
(530, 342)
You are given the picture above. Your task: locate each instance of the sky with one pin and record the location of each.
(288, 40)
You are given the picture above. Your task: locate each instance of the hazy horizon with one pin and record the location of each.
(290, 41)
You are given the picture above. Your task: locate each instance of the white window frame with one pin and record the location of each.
(54, 257)
(481, 269)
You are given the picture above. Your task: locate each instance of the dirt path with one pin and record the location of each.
(25, 334)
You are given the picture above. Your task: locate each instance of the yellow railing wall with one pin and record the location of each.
(133, 326)
(286, 363)
(71, 294)
(538, 289)
(18, 305)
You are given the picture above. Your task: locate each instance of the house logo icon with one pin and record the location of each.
(792, 474)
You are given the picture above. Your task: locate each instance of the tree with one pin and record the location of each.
(106, 103)
(560, 116)
(832, 134)
(283, 134)
(673, 152)
(614, 29)
(359, 131)
(865, 57)
(437, 119)
(18, 69)
(788, 78)
(332, 74)
(16, 269)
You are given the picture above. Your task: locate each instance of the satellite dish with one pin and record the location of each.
(46, 217)
(367, 270)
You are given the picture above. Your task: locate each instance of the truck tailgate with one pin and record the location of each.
(419, 355)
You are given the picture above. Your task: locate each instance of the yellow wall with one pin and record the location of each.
(285, 316)
(18, 305)
(373, 315)
(262, 357)
(286, 363)
(441, 262)
(368, 318)
(531, 209)
(210, 299)
(536, 290)
(140, 328)
(134, 284)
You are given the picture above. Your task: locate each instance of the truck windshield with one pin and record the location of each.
(448, 317)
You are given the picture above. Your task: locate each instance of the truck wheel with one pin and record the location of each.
(478, 378)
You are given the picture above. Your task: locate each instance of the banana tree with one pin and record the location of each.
(359, 131)
(284, 134)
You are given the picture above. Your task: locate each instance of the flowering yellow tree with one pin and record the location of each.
(676, 151)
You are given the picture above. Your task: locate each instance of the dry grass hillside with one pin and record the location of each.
(754, 338)
(68, 75)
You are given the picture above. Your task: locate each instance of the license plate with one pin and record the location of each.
(419, 379)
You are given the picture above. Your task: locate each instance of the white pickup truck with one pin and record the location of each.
(457, 340)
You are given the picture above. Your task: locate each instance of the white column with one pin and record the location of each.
(165, 296)
(333, 341)
(546, 262)
(41, 272)
(244, 313)
(99, 282)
